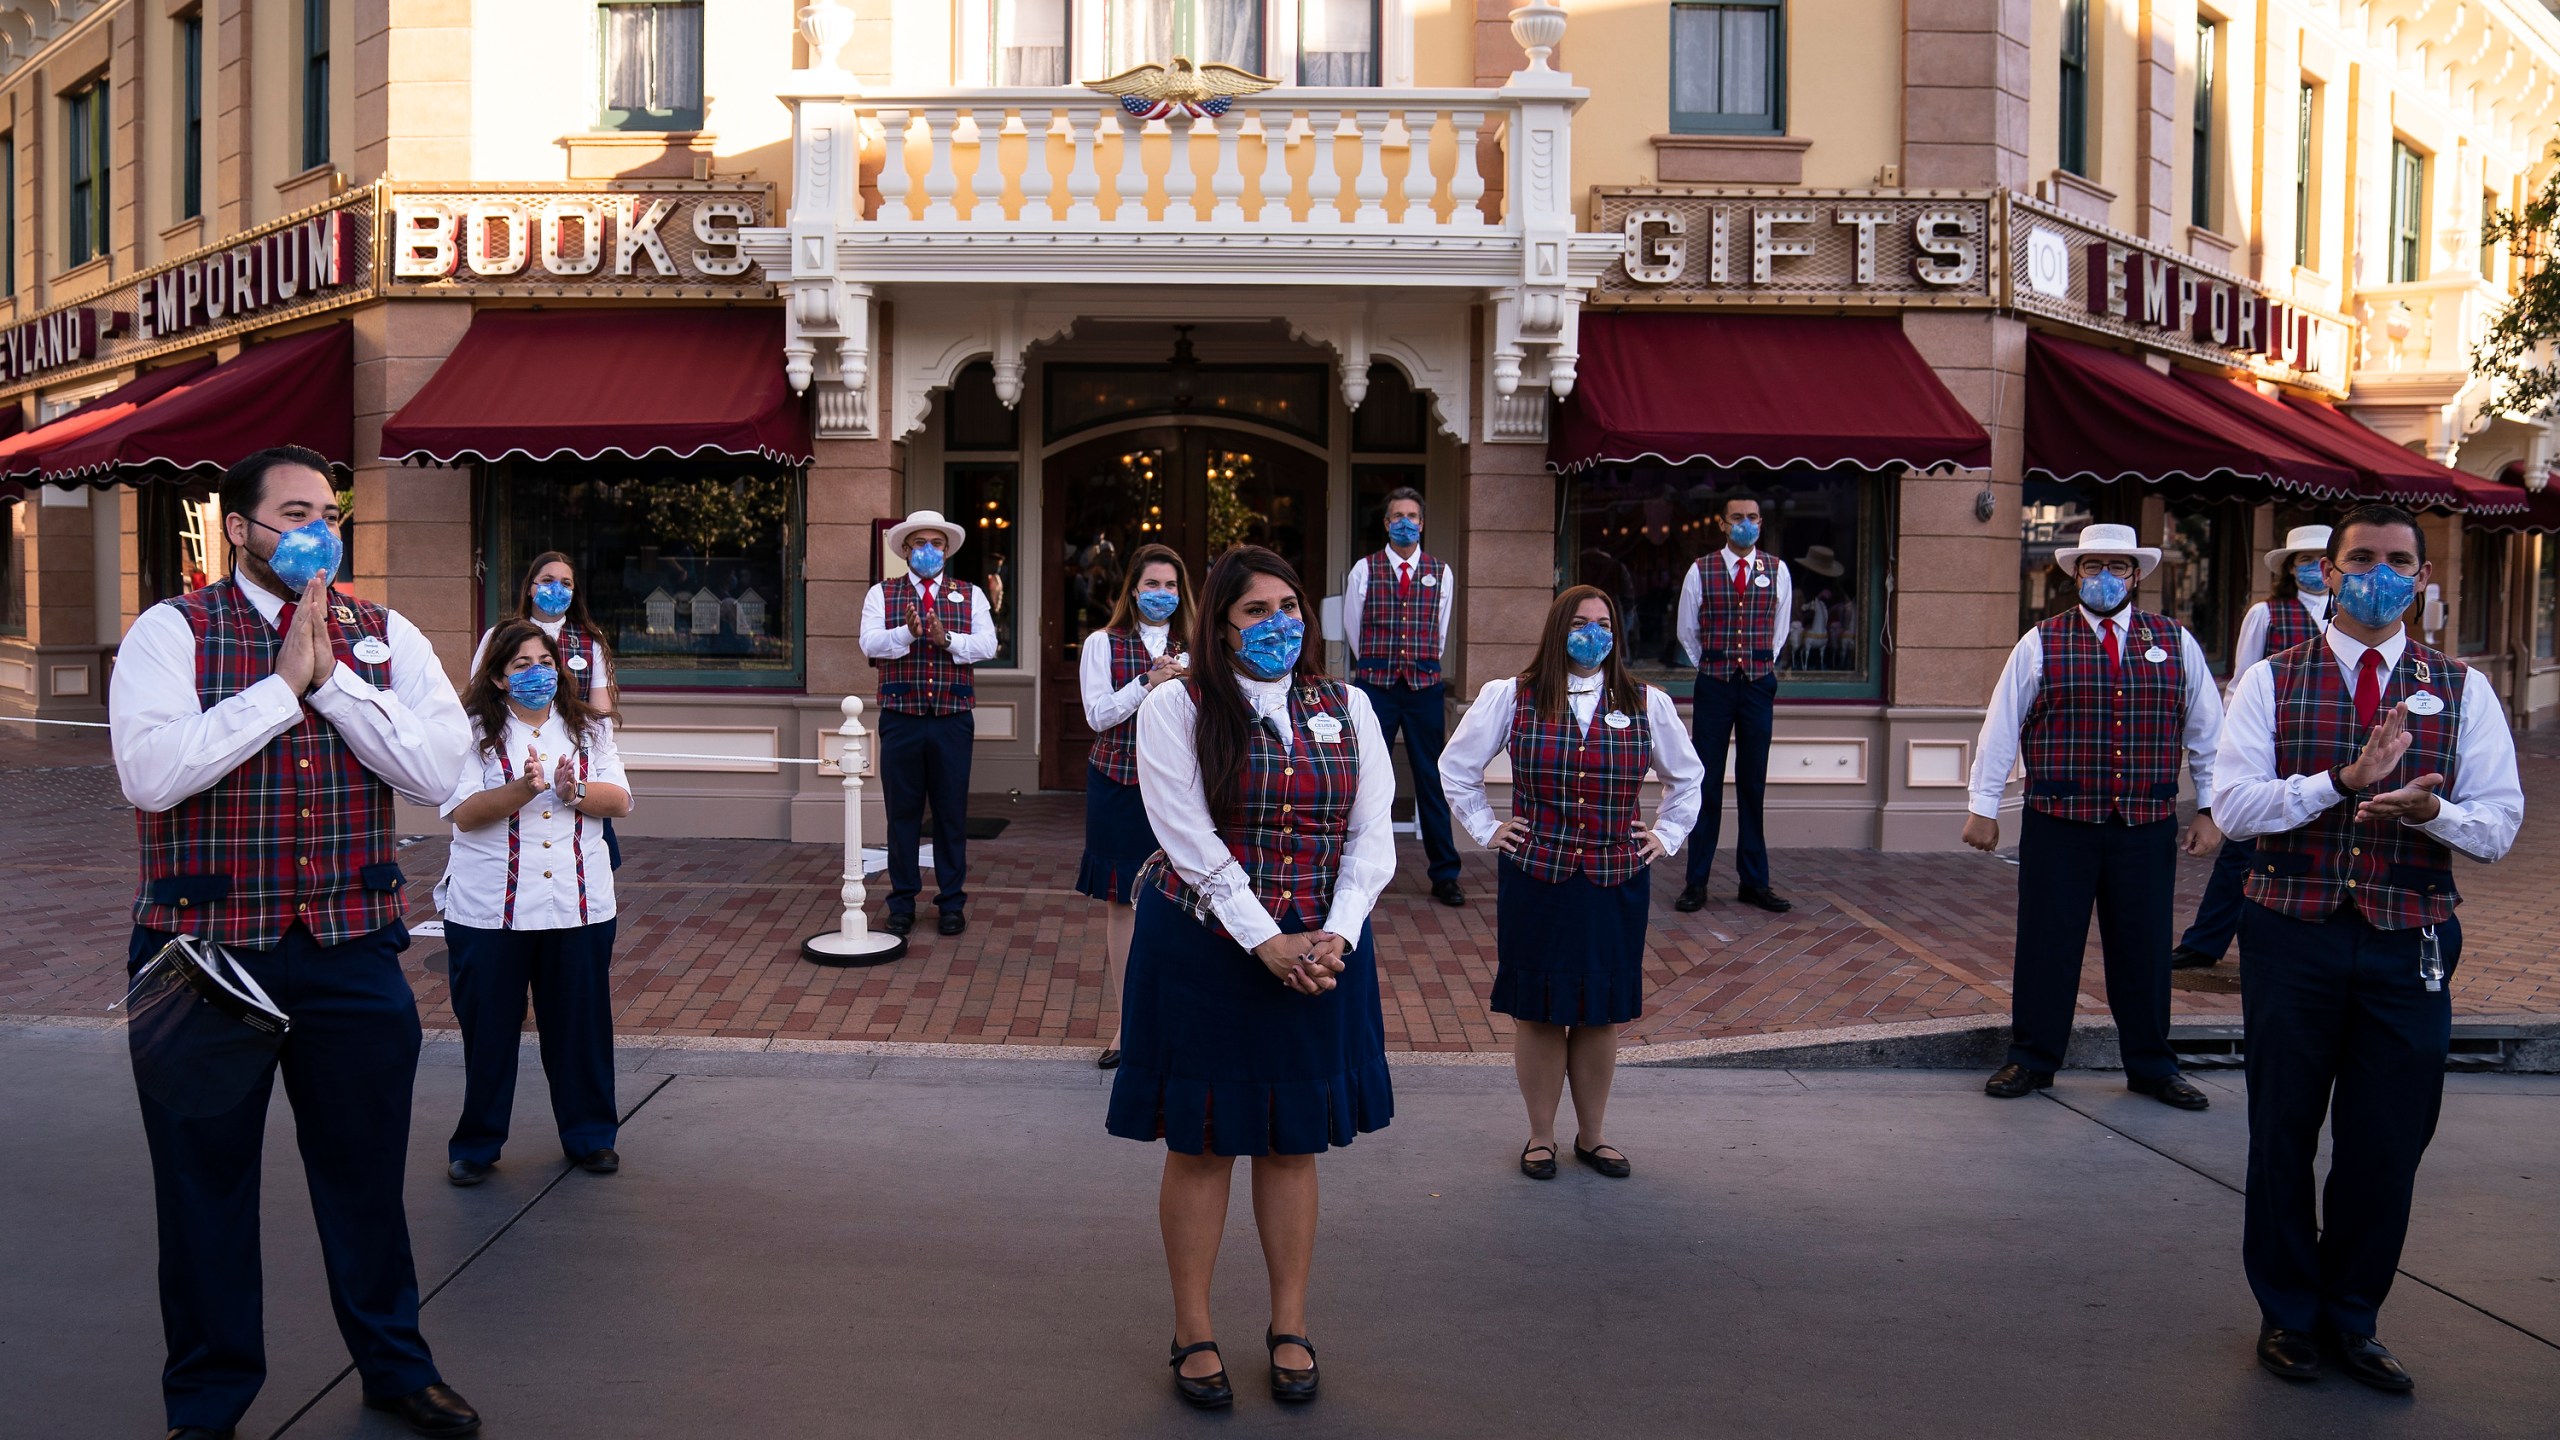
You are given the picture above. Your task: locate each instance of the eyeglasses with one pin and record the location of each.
(2092, 565)
(2367, 567)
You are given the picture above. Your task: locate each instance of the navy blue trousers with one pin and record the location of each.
(2218, 913)
(924, 759)
(1723, 712)
(2066, 869)
(570, 974)
(1423, 715)
(2339, 1026)
(349, 1066)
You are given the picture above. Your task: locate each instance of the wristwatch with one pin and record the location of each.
(581, 797)
(2338, 778)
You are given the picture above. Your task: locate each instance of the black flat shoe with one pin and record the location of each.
(1108, 1060)
(2367, 1363)
(467, 1172)
(602, 1161)
(953, 922)
(1616, 1168)
(1447, 893)
(1765, 898)
(1693, 898)
(435, 1410)
(199, 1432)
(2011, 1081)
(2183, 958)
(1212, 1393)
(1538, 1169)
(2288, 1353)
(895, 924)
(1290, 1386)
(2177, 1090)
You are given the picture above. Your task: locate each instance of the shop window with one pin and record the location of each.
(2204, 578)
(973, 418)
(2208, 52)
(85, 123)
(1295, 398)
(652, 54)
(692, 569)
(315, 83)
(2484, 579)
(1337, 42)
(191, 116)
(160, 543)
(1634, 531)
(1029, 43)
(984, 498)
(2408, 211)
(2072, 91)
(2051, 515)
(2305, 100)
(2546, 594)
(13, 567)
(1728, 68)
(1151, 32)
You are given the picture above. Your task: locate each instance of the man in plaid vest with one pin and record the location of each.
(2361, 762)
(1732, 621)
(2101, 702)
(926, 633)
(1395, 622)
(262, 726)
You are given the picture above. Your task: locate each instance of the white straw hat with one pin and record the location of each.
(2109, 540)
(952, 534)
(2314, 538)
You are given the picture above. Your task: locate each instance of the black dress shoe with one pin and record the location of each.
(2288, 1353)
(2177, 1090)
(2183, 958)
(599, 1162)
(1692, 898)
(435, 1410)
(467, 1172)
(1447, 893)
(1761, 896)
(1290, 1386)
(1108, 1059)
(953, 922)
(1543, 1168)
(2366, 1362)
(898, 922)
(1616, 1167)
(2011, 1081)
(1211, 1393)
(199, 1432)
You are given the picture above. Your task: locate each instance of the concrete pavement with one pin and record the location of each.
(826, 1244)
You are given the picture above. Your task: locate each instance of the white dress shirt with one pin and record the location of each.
(548, 880)
(595, 685)
(1105, 707)
(1485, 730)
(169, 747)
(1178, 807)
(2252, 646)
(2478, 814)
(1995, 754)
(1355, 593)
(1685, 623)
(889, 638)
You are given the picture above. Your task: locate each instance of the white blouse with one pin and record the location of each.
(549, 879)
(596, 684)
(1178, 807)
(1105, 707)
(1485, 731)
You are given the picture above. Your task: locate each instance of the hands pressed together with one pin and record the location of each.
(306, 659)
(1306, 963)
(2416, 802)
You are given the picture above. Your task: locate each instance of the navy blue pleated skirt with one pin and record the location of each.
(1217, 1056)
(1572, 952)
(1117, 838)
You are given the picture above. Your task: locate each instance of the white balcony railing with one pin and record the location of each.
(2423, 327)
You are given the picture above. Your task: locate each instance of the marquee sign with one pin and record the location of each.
(306, 259)
(63, 337)
(659, 239)
(1832, 248)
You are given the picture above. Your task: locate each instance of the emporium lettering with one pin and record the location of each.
(277, 268)
(563, 237)
(64, 337)
(2157, 293)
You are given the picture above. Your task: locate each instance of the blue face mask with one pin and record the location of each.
(1270, 646)
(1404, 530)
(1157, 606)
(925, 560)
(1745, 533)
(2308, 579)
(533, 686)
(2378, 597)
(551, 597)
(2105, 592)
(303, 553)
(1588, 644)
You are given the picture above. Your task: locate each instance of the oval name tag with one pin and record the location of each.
(1761, 581)
(1432, 579)
(1616, 720)
(2156, 655)
(371, 650)
(2425, 702)
(577, 662)
(1324, 729)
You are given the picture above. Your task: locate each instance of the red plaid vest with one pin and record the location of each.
(1297, 811)
(1733, 633)
(2288, 625)
(2397, 876)
(2102, 742)
(577, 644)
(1578, 789)
(300, 831)
(1115, 751)
(926, 680)
(1400, 625)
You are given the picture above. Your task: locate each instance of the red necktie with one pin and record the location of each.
(2107, 637)
(1404, 577)
(284, 617)
(1741, 579)
(2368, 688)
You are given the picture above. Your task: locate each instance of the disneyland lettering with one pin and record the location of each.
(564, 236)
(296, 262)
(64, 337)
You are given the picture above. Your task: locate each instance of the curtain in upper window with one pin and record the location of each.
(1151, 32)
(653, 63)
(1337, 42)
(1724, 67)
(1030, 43)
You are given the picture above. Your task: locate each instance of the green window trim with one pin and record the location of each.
(2304, 133)
(315, 83)
(2408, 213)
(191, 116)
(669, 72)
(2072, 92)
(1742, 94)
(89, 206)
(2208, 51)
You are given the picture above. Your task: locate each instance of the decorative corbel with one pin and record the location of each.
(1355, 358)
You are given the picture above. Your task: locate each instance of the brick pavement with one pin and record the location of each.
(710, 933)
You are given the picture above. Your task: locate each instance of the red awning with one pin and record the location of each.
(585, 384)
(2408, 480)
(1767, 390)
(22, 456)
(299, 390)
(2093, 414)
(2404, 468)
(2540, 514)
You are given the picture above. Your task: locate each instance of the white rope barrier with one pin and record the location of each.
(633, 754)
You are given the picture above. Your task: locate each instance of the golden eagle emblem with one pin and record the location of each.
(1151, 92)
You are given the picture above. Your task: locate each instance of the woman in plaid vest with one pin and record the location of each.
(1251, 1022)
(1575, 876)
(528, 901)
(1139, 650)
(550, 599)
(2361, 763)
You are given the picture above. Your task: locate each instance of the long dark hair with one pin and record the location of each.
(575, 615)
(1124, 614)
(485, 698)
(1226, 722)
(1547, 677)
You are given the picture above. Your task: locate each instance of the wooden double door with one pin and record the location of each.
(1201, 489)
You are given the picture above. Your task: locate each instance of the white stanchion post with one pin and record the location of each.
(854, 942)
